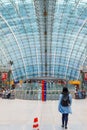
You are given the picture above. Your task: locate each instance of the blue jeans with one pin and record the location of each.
(65, 119)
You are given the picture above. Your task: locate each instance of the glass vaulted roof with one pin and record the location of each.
(43, 38)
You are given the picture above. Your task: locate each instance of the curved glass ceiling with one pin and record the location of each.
(43, 38)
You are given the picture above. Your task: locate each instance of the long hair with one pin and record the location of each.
(65, 90)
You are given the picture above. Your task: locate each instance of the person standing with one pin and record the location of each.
(65, 109)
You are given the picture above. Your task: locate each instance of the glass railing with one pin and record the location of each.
(37, 94)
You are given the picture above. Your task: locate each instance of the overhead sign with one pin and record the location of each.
(74, 82)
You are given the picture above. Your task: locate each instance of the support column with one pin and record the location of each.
(43, 90)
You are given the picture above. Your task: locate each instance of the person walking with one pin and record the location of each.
(64, 105)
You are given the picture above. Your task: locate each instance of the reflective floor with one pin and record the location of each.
(19, 115)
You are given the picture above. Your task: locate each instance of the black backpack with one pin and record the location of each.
(65, 100)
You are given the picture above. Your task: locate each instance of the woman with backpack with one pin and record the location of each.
(64, 106)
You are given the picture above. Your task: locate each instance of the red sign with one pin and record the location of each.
(85, 76)
(4, 76)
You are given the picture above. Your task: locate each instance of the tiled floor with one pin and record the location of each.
(19, 115)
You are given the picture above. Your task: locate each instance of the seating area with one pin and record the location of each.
(80, 95)
(8, 94)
